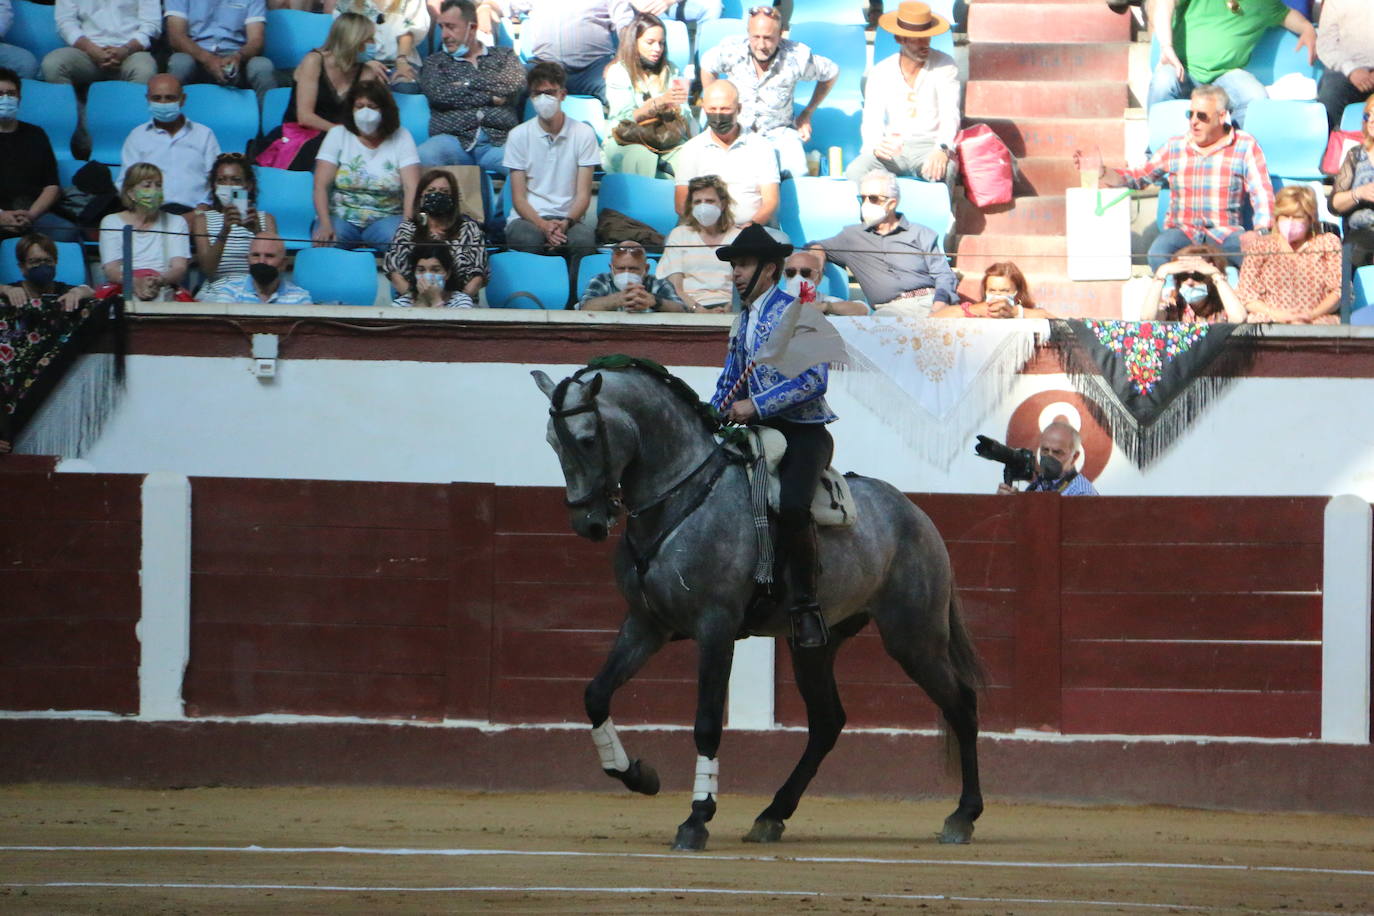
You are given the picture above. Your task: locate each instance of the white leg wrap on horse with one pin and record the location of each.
(708, 779)
(609, 748)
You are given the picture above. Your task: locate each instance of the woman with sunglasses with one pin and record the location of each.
(1353, 193)
(1293, 274)
(223, 234)
(1201, 293)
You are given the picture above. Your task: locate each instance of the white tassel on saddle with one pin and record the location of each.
(609, 748)
(708, 779)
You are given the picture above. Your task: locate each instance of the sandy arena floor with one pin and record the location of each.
(79, 849)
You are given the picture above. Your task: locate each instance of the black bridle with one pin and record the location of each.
(608, 490)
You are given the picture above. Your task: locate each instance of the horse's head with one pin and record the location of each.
(594, 440)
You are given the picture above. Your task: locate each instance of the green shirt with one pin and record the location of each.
(1221, 40)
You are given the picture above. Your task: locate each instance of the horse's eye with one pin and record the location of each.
(587, 442)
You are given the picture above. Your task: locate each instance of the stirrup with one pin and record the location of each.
(809, 630)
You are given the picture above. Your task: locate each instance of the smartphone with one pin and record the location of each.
(239, 197)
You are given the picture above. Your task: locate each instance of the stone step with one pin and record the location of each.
(1062, 297)
(1023, 216)
(1038, 254)
(1059, 137)
(1046, 175)
(1045, 20)
(1053, 60)
(1022, 99)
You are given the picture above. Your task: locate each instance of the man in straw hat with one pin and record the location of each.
(911, 102)
(753, 391)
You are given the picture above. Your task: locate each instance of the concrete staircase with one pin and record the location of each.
(1050, 77)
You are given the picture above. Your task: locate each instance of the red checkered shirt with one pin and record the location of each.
(1208, 189)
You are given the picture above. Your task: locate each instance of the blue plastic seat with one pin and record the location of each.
(678, 42)
(521, 280)
(1275, 55)
(113, 108)
(1353, 116)
(928, 203)
(288, 196)
(337, 275)
(1292, 135)
(824, 207)
(834, 125)
(414, 109)
(34, 28)
(846, 46)
(710, 34)
(52, 106)
(846, 12)
(836, 283)
(649, 200)
(71, 264)
(231, 113)
(291, 34)
(1167, 119)
(1364, 287)
(274, 103)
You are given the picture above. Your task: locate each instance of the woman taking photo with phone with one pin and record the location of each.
(223, 234)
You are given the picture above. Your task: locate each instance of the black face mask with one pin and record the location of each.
(42, 275)
(721, 123)
(263, 274)
(1050, 468)
(437, 203)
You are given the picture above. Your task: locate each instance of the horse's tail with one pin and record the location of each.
(968, 671)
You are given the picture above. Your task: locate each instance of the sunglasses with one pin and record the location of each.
(873, 198)
(806, 272)
(1202, 116)
(1365, 117)
(770, 11)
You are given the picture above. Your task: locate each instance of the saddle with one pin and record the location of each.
(833, 504)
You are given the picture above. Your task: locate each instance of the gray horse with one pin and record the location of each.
(630, 436)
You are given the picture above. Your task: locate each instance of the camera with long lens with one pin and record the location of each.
(1017, 463)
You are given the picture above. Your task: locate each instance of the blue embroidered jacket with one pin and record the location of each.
(800, 399)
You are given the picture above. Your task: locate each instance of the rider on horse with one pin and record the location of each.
(795, 407)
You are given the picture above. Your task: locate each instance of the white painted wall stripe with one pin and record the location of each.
(1346, 569)
(164, 629)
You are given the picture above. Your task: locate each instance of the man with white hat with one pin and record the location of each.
(911, 102)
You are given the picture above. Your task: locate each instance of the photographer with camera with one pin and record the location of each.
(1049, 469)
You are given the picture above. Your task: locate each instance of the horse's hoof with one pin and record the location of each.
(641, 778)
(690, 838)
(765, 830)
(957, 830)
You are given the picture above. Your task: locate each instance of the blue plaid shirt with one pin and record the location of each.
(1077, 485)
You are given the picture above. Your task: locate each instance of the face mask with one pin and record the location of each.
(1294, 230)
(263, 274)
(367, 119)
(793, 285)
(41, 275)
(706, 214)
(368, 52)
(224, 193)
(721, 124)
(147, 198)
(163, 112)
(460, 52)
(627, 278)
(872, 214)
(1193, 295)
(546, 106)
(1050, 468)
(437, 203)
(9, 108)
(430, 279)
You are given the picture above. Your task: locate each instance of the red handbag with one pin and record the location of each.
(1337, 147)
(985, 163)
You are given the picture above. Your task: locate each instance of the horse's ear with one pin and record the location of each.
(546, 384)
(595, 386)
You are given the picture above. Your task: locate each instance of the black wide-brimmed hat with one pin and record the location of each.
(755, 241)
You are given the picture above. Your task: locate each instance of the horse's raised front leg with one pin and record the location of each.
(716, 642)
(635, 645)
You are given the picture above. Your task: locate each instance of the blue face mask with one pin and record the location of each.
(1193, 294)
(460, 52)
(368, 52)
(163, 112)
(9, 108)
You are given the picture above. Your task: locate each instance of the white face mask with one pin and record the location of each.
(367, 119)
(706, 214)
(1008, 298)
(224, 193)
(627, 278)
(793, 285)
(430, 280)
(872, 214)
(546, 106)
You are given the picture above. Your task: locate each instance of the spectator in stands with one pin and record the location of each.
(897, 262)
(13, 57)
(366, 173)
(1201, 294)
(440, 220)
(698, 11)
(648, 103)
(28, 183)
(263, 283)
(185, 150)
(803, 275)
(1059, 449)
(766, 68)
(37, 256)
(161, 243)
(911, 102)
(689, 259)
(107, 39)
(437, 283)
(219, 43)
(1005, 294)
(323, 80)
(473, 91)
(1345, 45)
(576, 34)
(746, 161)
(401, 26)
(1205, 42)
(628, 286)
(1210, 170)
(223, 233)
(1353, 193)
(1293, 274)
(551, 158)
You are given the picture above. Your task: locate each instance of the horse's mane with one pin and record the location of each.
(680, 389)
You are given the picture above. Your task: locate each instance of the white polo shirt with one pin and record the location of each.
(185, 159)
(550, 163)
(744, 166)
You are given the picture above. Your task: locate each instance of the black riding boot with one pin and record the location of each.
(802, 556)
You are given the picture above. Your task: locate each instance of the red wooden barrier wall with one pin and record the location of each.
(69, 592)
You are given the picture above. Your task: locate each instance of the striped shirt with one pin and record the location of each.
(233, 260)
(1209, 188)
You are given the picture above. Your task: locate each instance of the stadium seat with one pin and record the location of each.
(732, 9)
(414, 115)
(1363, 292)
(584, 108)
(516, 276)
(113, 108)
(231, 113)
(289, 197)
(1277, 55)
(71, 265)
(649, 200)
(337, 275)
(835, 126)
(34, 28)
(274, 104)
(824, 207)
(1168, 119)
(52, 106)
(836, 283)
(1353, 116)
(846, 46)
(291, 34)
(844, 12)
(710, 34)
(679, 43)
(927, 203)
(1292, 135)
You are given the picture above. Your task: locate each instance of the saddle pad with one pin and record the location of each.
(833, 505)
